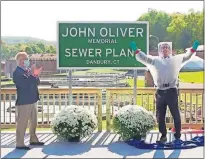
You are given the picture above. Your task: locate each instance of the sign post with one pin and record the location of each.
(135, 86)
(91, 45)
(70, 88)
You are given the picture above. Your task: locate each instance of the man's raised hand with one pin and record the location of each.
(133, 46)
(195, 45)
(36, 72)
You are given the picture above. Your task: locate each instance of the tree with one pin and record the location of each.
(52, 49)
(158, 23)
(36, 49)
(186, 28)
(41, 46)
(13, 50)
(194, 21)
(5, 51)
(180, 29)
(29, 50)
(176, 28)
(10, 50)
(21, 47)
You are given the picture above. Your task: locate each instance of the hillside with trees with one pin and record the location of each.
(33, 47)
(23, 39)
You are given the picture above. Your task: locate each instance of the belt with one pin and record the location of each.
(166, 90)
(166, 85)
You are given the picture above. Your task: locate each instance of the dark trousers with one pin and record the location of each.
(163, 98)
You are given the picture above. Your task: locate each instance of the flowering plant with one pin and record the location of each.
(133, 122)
(74, 121)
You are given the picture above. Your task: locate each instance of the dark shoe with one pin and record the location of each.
(177, 136)
(37, 143)
(163, 139)
(23, 147)
(177, 141)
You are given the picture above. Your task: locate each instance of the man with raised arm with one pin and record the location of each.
(165, 70)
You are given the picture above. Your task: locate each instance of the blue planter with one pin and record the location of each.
(74, 139)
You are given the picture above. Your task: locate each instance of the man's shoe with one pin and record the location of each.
(177, 141)
(23, 147)
(177, 136)
(37, 143)
(162, 139)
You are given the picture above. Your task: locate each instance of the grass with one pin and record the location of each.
(192, 77)
(140, 83)
(189, 77)
(7, 82)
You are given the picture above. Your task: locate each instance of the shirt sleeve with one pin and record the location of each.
(187, 56)
(145, 59)
(178, 61)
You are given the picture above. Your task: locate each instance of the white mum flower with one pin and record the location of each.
(132, 121)
(73, 121)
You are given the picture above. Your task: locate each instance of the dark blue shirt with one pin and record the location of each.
(27, 87)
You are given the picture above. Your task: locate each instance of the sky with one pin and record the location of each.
(39, 19)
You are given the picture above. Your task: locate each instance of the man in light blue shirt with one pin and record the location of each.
(165, 71)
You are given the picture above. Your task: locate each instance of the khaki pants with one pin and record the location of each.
(26, 113)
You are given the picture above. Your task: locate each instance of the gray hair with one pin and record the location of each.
(18, 56)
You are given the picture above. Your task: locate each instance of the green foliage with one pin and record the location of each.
(180, 51)
(23, 39)
(181, 29)
(158, 23)
(29, 50)
(10, 50)
(52, 49)
(41, 47)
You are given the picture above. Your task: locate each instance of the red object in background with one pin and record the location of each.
(187, 130)
(173, 130)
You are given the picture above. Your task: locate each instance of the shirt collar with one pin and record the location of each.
(166, 57)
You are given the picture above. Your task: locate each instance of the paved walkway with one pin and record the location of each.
(99, 145)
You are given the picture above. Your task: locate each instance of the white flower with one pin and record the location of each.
(132, 121)
(73, 121)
